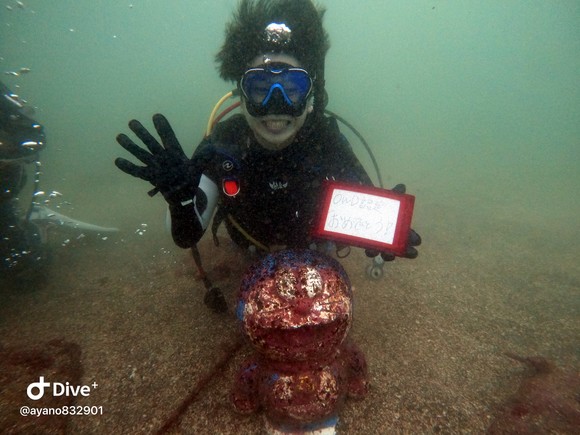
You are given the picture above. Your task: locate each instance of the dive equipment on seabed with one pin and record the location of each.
(214, 297)
(375, 269)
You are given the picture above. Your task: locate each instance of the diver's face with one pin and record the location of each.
(275, 131)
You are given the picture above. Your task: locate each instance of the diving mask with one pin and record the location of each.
(278, 88)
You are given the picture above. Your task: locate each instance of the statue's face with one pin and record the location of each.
(296, 310)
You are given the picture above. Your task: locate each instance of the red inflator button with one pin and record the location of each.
(231, 186)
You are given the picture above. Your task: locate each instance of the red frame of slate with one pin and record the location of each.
(402, 227)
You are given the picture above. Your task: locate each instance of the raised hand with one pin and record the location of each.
(167, 167)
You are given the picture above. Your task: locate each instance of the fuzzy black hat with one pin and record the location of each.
(292, 27)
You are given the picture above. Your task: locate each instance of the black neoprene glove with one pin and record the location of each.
(413, 240)
(167, 167)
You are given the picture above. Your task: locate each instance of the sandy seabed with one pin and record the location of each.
(127, 313)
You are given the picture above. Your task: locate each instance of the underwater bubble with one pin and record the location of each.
(32, 144)
(141, 230)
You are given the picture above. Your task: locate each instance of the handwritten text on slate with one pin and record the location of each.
(362, 215)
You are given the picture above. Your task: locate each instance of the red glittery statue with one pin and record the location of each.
(296, 309)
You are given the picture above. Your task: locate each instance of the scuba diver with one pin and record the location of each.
(21, 140)
(261, 171)
(24, 222)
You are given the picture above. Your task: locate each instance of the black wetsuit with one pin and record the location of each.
(279, 191)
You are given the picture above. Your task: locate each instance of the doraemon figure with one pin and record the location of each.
(295, 306)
